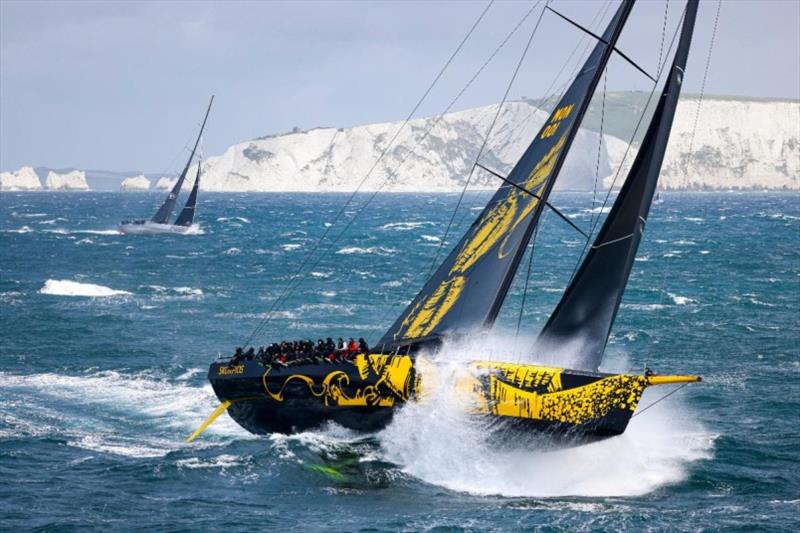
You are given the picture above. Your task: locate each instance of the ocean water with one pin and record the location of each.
(105, 341)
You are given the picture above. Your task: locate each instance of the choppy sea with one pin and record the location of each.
(105, 341)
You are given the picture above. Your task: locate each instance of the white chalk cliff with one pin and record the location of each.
(70, 181)
(330, 159)
(135, 183)
(24, 179)
(738, 143)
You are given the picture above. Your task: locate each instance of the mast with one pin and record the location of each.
(186, 216)
(165, 211)
(468, 288)
(582, 321)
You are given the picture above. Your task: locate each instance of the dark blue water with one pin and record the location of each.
(98, 392)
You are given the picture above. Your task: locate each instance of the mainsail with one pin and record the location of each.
(468, 288)
(165, 211)
(583, 319)
(186, 216)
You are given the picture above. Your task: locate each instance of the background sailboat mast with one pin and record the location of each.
(165, 211)
(583, 319)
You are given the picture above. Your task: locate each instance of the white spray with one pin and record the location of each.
(437, 441)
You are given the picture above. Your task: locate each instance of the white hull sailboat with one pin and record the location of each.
(159, 224)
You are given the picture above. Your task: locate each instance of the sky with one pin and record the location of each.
(123, 85)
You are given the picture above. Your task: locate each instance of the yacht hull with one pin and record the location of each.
(364, 394)
(151, 228)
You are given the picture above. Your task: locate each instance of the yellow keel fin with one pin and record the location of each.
(218, 411)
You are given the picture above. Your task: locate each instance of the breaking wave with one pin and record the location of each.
(63, 287)
(83, 409)
(377, 250)
(23, 229)
(405, 226)
(63, 231)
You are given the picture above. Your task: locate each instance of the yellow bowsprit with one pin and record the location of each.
(218, 411)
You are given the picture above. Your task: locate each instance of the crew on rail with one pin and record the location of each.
(303, 351)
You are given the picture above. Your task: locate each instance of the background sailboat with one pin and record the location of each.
(159, 223)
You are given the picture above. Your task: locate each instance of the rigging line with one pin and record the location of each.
(438, 119)
(663, 284)
(702, 90)
(482, 197)
(663, 35)
(547, 97)
(527, 278)
(617, 50)
(265, 320)
(625, 155)
(429, 129)
(599, 148)
(670, 393)
(564, 217)
(486, 137)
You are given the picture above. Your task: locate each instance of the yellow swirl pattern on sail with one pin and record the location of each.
(498, 224)
(433, 309)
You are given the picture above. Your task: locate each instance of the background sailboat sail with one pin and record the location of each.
(186, 216)
(582, 321)
(165, 211)
(469, 287)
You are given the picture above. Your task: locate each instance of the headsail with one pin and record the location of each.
(583, 318)
(469, 287)
(165, 211)
(186, 216)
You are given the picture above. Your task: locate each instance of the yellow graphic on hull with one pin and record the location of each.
(508, 390)
(387, 379)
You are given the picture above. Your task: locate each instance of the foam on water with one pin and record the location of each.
(134, 415)
(63, 287)
(377, 250)
(64, 231)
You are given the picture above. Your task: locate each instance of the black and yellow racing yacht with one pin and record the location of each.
(466, 292)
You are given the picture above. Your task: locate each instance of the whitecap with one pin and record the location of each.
(680, 300)
(377, 250)
(290, 247)
(56, 287)
(405, 226)
(238, 219)
(430, 238)
(23, 229)
(232, 251)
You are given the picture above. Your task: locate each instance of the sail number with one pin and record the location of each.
(555, 120)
